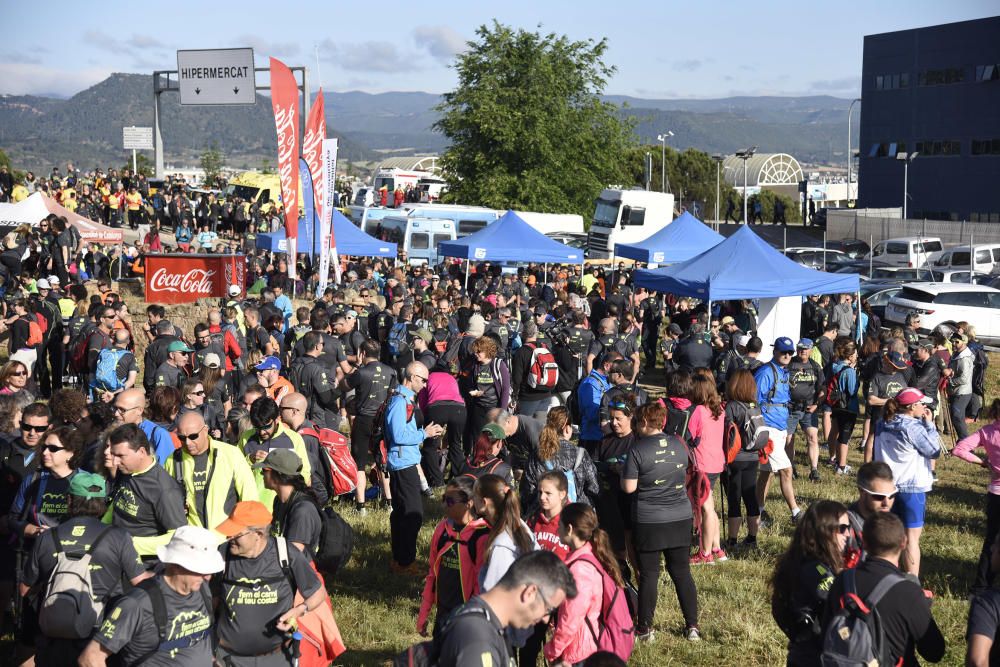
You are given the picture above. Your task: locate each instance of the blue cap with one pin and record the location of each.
(269, 363)
(784, 344)
(897, 360)
(805, 344)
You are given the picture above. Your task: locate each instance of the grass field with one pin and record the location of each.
(377, 610)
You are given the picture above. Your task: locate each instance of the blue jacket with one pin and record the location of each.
(284, 304)
(402, 437)
(159, 437)
(774, 408)
(589, 394)
(848, 383)
(907, 445)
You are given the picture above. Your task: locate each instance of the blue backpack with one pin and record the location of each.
(397, 339)
(571, 495)
(106, 376)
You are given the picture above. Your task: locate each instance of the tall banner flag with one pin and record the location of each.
(312, 155)
(285, 103)
(330, 188)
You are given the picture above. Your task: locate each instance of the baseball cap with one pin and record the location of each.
(234, 290)
(424, 335)
(784, 344)
(88, 485)
(284, 461)
(268, 364)
(212, 360)
(495, 431)
(179, 346)
(54, 280)
(896, 359)
(805, 344)
(926, 343)
(743, 340)
(959, 338)
(908, 396)
(42, 283)
(194, 548)
(728, 319)
(246, 514)
(675, 328)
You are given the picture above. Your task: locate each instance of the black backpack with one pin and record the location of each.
(854, 637)
(152, 589)
(980, 362)
(573, 402)
(677, 424)
(426, 654)
(336, 541)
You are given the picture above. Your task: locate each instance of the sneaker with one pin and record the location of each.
(646, 636)
(795, 472)
(795, 517)
(749, 542)
(765, 519)
(719, 555)
(360, 510)
(429, 492)
(844, 470)
(692, 634)
(411, 570)
(814, 475)
(703, 559)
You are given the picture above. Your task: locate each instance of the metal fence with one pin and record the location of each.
(856, 225)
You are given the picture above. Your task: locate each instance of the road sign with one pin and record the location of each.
(216, 76)
(137, 138)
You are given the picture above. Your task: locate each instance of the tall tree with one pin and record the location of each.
(211, 162)
(528, 129)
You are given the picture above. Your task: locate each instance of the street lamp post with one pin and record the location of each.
(850, 158)
(907, 158)
(718, 169)
(745, 155)
(662, 138)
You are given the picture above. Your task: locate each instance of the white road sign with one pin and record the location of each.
(216, 76)
(137, 138)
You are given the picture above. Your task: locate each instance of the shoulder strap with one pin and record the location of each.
(882, 588)
(579, 457)
(152, 589)
(178, 472)
(774, 386)
(285, 562)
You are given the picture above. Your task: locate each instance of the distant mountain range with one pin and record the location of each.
(38, 132)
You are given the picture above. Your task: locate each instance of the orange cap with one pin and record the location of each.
(246, 514)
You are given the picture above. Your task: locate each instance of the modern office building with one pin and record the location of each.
(933, 92)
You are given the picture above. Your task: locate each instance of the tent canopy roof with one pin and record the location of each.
(743, 266)
(510, 239)
(349, 239)
(681, 240)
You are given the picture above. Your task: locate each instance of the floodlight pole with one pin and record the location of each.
(662, 138)
(850, 159)
(745, 155)
(907, 158)
(718, 171)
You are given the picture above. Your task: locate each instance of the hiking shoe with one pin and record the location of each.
(795, 517)
(692, 634)
(814, 475)
(702, 559)
(413, 569)
(360, 510)
(765, 519)
(429, 492)
(795, 472)
(749, 542)
(719, 555)
(645, 636)
(844, 470)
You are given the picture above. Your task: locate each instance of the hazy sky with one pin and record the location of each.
(712, 48)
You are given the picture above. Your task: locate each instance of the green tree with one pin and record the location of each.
(691, 177)
(211, 162)
(142, 163)
(527, 127)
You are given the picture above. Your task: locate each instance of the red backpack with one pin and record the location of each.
(335, 449)
(543, 373)
(35, 335)
(616, 631)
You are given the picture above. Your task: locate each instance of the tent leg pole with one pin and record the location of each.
(858, 297)
(545, 272)
(468, 268)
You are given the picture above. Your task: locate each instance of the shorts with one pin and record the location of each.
(361, 433)
(713, 477)
(910, 508)
(778, 460)
(803, 420)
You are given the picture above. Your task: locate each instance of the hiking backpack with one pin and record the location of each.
(677, 423)
(35, 334)
(616, 631)
(69, 609)
(980, 362)
(335, 450)
(543, 372)
(854, 637)
(573, 402)
(106, 375)
(752, 435)
(487, 468)
(426, 654)
(152, 589)
(571, 493)
(78, 355)
(336, 540)
(835, 396)
(397, 339)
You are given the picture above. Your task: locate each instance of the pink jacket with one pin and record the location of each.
(440, 387)
(988, 437)
(709, 454)
(573, 641)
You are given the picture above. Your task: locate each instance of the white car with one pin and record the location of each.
(978, 305)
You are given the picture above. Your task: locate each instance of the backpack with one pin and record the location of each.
(336, 451)
(750, 436)
(543, 372)
(35, 335)
(397, 339)
(336, 541)
(835, 396)
(152, 589)
(487, 468)
(573, 402)
(425, 654)
(980, 363)
(854, 637)
(78, 355)
(616, 631)
(677, 424)
(571, 494)
(106, 375)
(241, 340)
(69, 609)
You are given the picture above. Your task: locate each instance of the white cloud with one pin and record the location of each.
(32, 79)
(440, 41)
(264, 48)
(371, 56)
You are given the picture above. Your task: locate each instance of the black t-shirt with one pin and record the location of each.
(884, 385)
(659, 463)
(475, 638)
(805, 382)
(372, 384)
(984, 619)
(148, 503)
(298, 521)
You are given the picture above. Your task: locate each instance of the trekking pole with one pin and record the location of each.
(296, 649)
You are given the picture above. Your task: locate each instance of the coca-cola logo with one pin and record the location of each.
(195, 281)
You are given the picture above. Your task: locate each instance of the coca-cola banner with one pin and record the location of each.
(285, 104)
(187, 278)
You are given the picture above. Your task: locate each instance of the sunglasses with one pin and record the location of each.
(880, 496)
(53, 448)
(451, 501)
(189, 436)
(34, 427)
(618, 405)
(844, 528)
(197, 393)
(19, 373)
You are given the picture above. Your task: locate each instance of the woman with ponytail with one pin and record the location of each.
(557, 452)
(496, 503)
(590, 557)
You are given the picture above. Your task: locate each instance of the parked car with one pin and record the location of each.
(958, 257)
(899, 274)
(959, 276)
(943, 302)
(909, 251)
(879, 294)
(853, 248)
(815, 258)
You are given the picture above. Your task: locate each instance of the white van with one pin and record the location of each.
(418, 237)
(467, 219)
(958, 257)
(910, 251)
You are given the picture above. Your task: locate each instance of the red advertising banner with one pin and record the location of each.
(312, 152)
(187, 278)
(285, 104)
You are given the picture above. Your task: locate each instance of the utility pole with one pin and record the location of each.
(850, 157)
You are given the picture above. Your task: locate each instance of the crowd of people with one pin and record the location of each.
(192, 468)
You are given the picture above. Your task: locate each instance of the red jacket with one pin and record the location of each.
(471, 554)
(547, 534)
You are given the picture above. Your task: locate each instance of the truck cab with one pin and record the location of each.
(627, 216)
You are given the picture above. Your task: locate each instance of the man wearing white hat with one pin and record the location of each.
(165, 620)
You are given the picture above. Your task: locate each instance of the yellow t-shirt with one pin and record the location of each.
(134, 201)
(19, 193)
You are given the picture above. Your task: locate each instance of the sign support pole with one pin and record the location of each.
(135, 168)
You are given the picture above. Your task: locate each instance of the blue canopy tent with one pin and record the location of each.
(350, 240)
(679, 241)
(510, 239)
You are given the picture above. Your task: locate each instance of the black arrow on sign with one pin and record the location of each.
(197, 91)
(235, 90)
